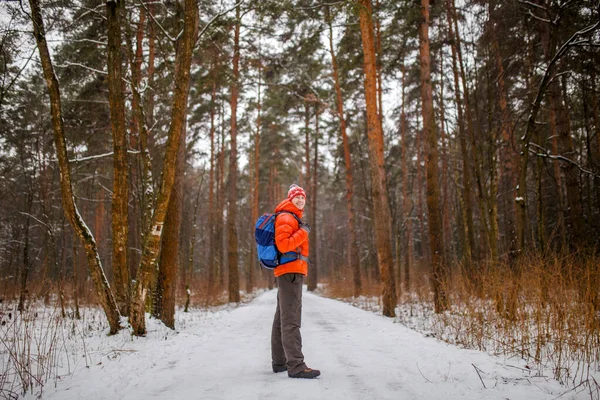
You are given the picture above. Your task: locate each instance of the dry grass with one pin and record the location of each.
(545, 311)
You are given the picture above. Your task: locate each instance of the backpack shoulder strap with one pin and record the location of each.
(291, 213)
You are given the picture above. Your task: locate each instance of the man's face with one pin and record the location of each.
(299, 202)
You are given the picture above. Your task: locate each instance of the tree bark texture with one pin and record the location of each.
(507, 179)
(353, 258)
(152, 241)
(431, 162)
(169, 262)
(101, 285)
(212, 265)
(406, 201)
(120, 195)
(381, 208)
(314, 250)
(232, 237)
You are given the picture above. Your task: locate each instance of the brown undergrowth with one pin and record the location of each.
(544, 310)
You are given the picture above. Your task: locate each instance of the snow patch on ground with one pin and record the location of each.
(224, 353)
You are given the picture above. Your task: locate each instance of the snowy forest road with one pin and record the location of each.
(361, 355)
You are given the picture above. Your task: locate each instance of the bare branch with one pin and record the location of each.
(335, 3)
(156, 22)
(545, 153)
(529, 3)
(68, 64)
(539, 18)
(47, 226)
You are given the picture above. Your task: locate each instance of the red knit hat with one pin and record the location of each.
(294, 191)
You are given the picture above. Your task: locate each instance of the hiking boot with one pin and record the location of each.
(308, 373)
(279, 368)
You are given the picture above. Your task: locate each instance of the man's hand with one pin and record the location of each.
(305, 226)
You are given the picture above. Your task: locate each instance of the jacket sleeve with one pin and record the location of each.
(287, 237)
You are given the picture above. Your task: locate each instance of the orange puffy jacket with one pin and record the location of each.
(289, 237)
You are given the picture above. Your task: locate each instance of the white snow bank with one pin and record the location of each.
(225, 354)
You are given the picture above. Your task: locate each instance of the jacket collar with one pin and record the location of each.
(288, 206)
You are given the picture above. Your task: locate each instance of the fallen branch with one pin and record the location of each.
(480, 378)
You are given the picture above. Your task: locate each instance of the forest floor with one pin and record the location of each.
(224, 353)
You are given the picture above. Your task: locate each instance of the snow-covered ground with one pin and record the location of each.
(225, 354)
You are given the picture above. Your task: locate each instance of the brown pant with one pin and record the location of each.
(286, 341)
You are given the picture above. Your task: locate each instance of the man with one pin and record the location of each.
(291, 239)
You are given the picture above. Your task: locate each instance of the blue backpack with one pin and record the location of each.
(269, 256)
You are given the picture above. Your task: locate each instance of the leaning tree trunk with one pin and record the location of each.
(169, 261)
(105, 295)
(431, 162)
(352, 250)
(120, 195)
(232, 236)
(381, 208)
(152, 240)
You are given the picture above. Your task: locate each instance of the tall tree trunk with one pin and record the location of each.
(192, 249)
(26, 264)
(466, 193)
(381, 208)
(378, 57)
(212, 264)
(232, 239)
(152, 241)
(406, 202)
(105, 295)
(307, 174)
(558, 177)
(445, 206)
(169, 260)
(220, 281)
(138, 139)
(253, 265)
(433, 196)
(571, 172)
(471, 135)
(314, 250)
(148, 195)
(120, 195)
(507, 179)
(423, 241)
(353, 258)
